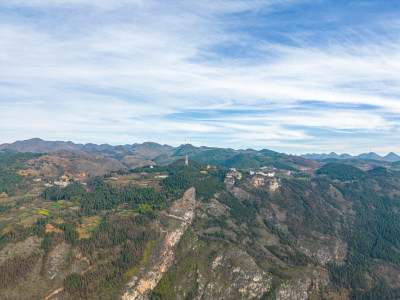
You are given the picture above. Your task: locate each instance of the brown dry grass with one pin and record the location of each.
(30, 220)
(27, 172)
(136, 179)
(88, 225)
(7, 229)
(51, 228)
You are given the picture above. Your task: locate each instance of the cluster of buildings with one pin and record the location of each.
(270, 174)
(62, 182)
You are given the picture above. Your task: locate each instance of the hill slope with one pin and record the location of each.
(179, 231)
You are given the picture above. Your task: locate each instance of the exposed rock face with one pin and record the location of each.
(271, 183)
(56, 258)
(244, 276)
(326, 249)
(48, 272)
(391, 272)
(241, 193)
(24, 249)
(184, 208)
(214, 208)
(150, 273)
(304, 287)
(231, 178)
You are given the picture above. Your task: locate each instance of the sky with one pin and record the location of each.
(294, 76)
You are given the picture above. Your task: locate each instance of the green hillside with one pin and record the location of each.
(186, 232)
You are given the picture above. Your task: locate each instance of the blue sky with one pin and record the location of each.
(295, 76)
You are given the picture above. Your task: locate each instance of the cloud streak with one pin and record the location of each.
(85, 70)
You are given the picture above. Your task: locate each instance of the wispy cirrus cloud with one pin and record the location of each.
(256, 73)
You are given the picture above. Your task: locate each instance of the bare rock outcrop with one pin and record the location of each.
(245, 278)
(23, 248)
(304, 287)
(325, 248)
(271, 183)
(146, 278)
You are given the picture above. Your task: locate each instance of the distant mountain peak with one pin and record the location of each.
(36, 139)
(37, 145)
(186, 149)
(391, 157)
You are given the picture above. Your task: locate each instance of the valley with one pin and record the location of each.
(232, 224)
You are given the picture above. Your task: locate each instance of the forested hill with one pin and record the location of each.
(341, 171)
(137, 155)
(199, 231)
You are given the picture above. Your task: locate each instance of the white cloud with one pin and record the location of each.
(101, 4)
(131, 63)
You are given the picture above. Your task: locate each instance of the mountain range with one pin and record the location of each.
(149, 153)
(391, 157)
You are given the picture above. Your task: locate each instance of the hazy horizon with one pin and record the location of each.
(200, 145)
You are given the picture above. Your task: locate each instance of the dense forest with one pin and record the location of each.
(10, 163)
(104, 196)
(341, 171)
(228, 159)
(374, 236)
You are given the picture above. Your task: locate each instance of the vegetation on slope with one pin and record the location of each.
(341, 171)
(10, 163)
(338, 202)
